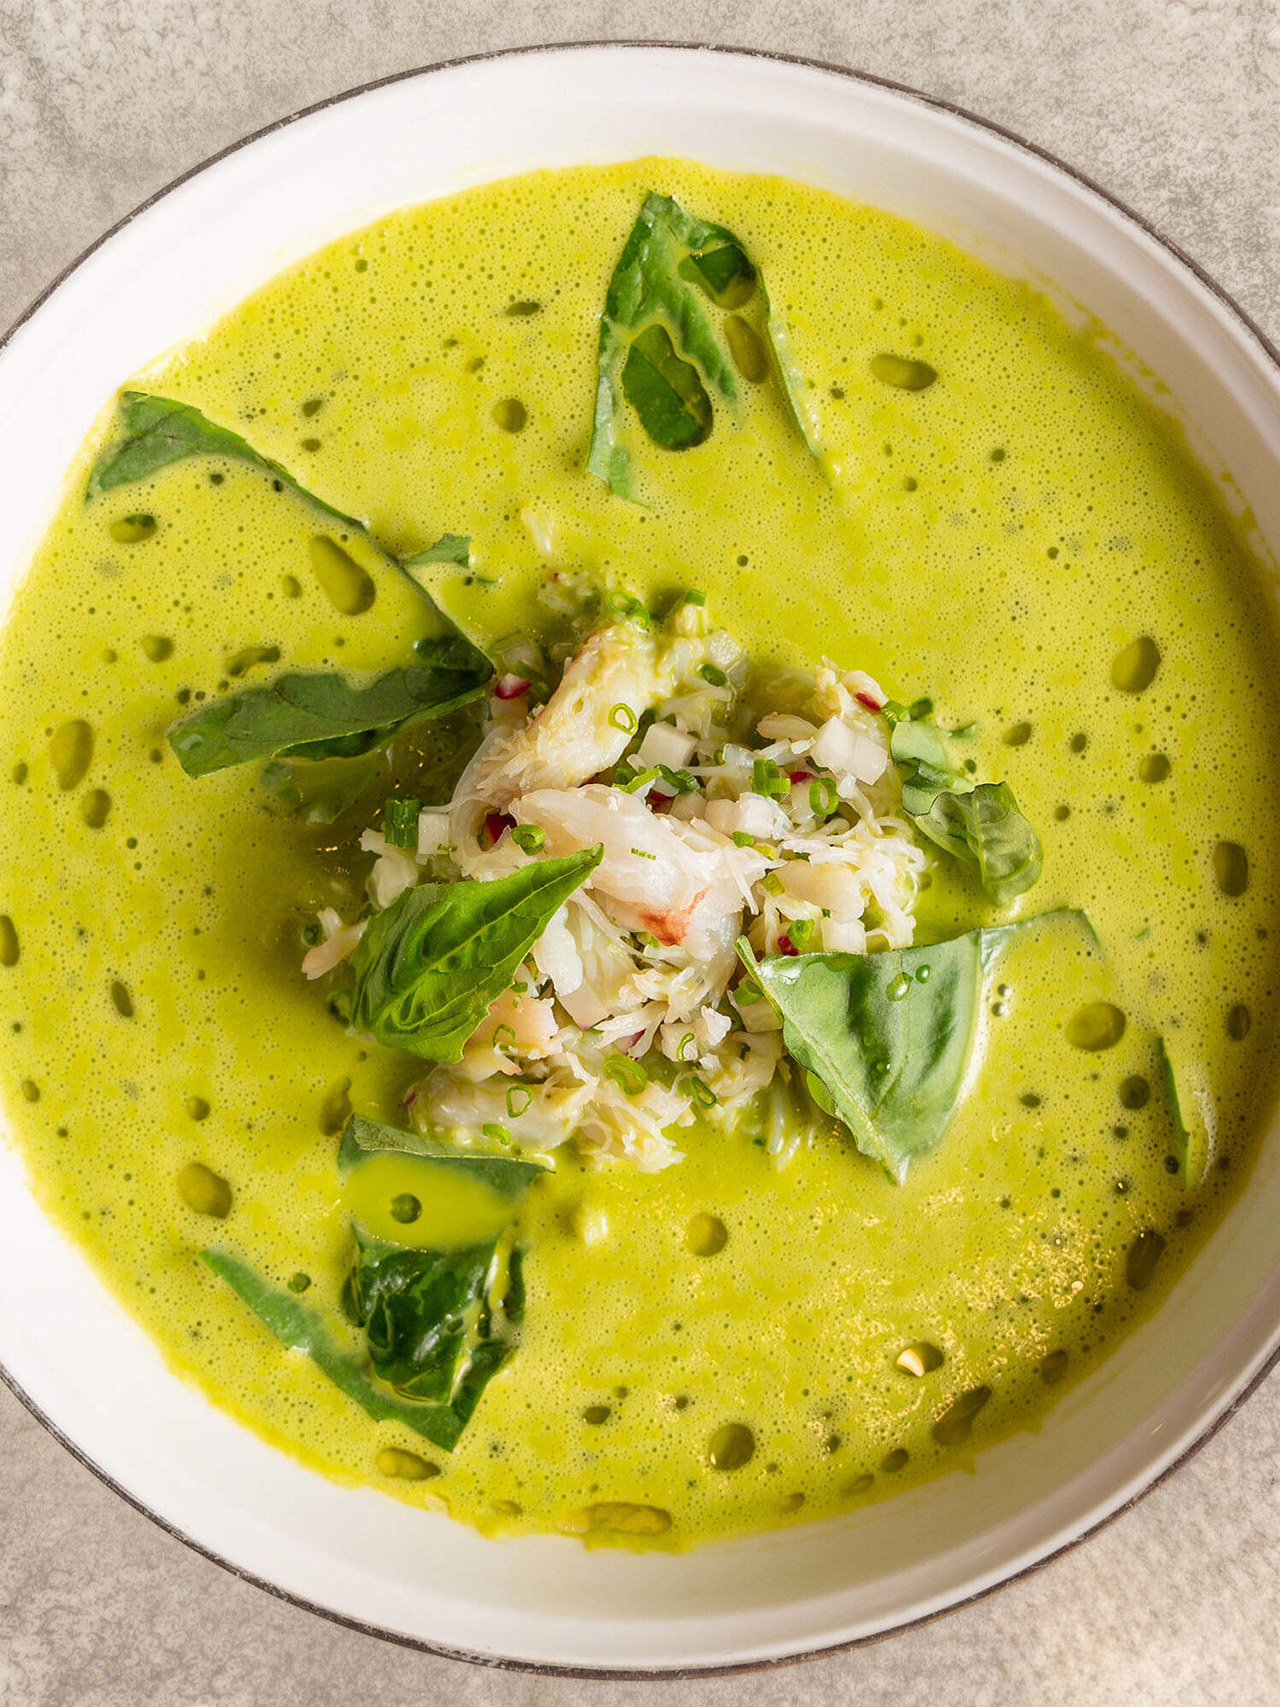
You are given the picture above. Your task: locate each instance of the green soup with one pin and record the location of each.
(748, 1338)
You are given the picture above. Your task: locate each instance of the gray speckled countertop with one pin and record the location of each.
(1172, 105)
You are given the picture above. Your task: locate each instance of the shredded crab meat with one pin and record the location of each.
(630, 1018)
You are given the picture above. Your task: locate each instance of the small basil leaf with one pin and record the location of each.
(301, 1328)
(981, 826)
(363, 1137)
(889, 1050)
(985, 829)
(156, 431)
(322, 715)
(427, 968)
(665, 391)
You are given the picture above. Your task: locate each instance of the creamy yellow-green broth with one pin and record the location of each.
(994, 541)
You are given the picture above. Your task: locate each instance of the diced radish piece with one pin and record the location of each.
(786, 946)
(511, 687)
(494, 825)
(866, 699)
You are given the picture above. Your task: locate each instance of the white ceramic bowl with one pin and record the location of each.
(353, 1554)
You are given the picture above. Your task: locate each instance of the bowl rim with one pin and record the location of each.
(1217, 1420)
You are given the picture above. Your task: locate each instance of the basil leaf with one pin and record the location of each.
(888, 1050)
(322, 715)
(665, 391)
(985, 829)
(428, 967)
(301, 1328)
(647, 292)
(156, 431)
(979, 825)
(885, 1039)
(363, 1137)
(670, 264)
(438, 1324)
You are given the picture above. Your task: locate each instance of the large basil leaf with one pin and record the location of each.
(301, 1328)
(428, 967)
(979, 825)
(322, 715)
(886, 1036)
(885, 1039)
(153, 432)
(659, 347)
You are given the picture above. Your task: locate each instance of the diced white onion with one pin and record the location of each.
(664, 744)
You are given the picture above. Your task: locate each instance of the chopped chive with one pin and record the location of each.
(693, 597)
(687, 1048)
(629, 1076)
(515, 1108)
(530, 838)
(823, 798)
(713, 675)
(743, 839)
(503, 1037)
(637, 780)
(747, 995)
(400, 823)
(684, 782)
(768, 780)
(701, 1093)
(497, 1134)
(771, 883)
(801, 933)
(622, 717)
(920, 708)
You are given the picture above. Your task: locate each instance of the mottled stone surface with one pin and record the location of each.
(1171, 104)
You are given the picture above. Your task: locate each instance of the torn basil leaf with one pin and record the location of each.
(438, 1324)
(985, 829)
(436, 1283)
(153, 432)
(428, 967)
(980, 825)
(660, 350)
(322, 715)
(302, 1328)
(665, 391)
(363, 1137)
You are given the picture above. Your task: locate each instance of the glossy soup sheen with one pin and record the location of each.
(994, 541)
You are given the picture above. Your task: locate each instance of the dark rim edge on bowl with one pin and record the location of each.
(624, 1673)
